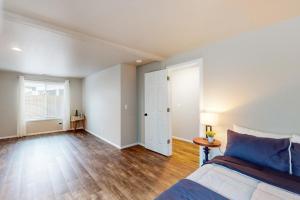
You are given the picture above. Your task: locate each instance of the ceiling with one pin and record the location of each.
(76, 38)
(51, 51)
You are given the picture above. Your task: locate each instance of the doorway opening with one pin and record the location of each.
(173, 101)
(185, 93)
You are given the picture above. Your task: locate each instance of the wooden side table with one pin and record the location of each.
(203, 142)
(75, 120)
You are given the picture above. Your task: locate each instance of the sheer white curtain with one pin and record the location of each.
(66, 116)
(21, 108)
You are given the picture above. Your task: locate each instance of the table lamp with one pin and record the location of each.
(209, 119)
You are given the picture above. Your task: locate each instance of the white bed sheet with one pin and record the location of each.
(234, 185)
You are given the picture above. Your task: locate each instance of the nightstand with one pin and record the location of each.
(203, 142)
(76, 120)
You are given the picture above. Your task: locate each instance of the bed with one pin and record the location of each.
(230, 177)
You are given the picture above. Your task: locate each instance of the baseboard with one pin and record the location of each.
(44, 132)
(129, 145)
(8, 137)
(142, 144)
(111, 143)
(73, 129)
(182, 139)
(31, 134)
(105, 140)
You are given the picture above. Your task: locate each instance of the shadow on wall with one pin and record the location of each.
(272, 112)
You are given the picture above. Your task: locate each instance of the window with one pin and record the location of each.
(43, 100)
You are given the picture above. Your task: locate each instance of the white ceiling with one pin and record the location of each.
(57, 52)
(78, 37)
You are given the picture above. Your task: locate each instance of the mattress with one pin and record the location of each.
(234, 185)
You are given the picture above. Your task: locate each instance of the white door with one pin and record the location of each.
(157, 113)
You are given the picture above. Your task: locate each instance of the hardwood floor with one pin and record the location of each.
(81, 166)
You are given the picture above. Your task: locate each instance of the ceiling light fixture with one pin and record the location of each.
(16, 49)
(139, 61)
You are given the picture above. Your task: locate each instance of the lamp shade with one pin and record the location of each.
(208, 118)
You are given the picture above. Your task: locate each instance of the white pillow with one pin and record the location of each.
(256, 133)
(243, 130)
(296, 139)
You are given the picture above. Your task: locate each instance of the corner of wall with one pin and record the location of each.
(128, 105)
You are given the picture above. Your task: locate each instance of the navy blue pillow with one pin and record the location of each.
(266, 152)
(295, 151)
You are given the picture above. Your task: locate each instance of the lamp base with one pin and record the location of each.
(208, 128)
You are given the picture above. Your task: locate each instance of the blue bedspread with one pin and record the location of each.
(189, 190)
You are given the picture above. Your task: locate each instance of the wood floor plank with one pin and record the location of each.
(78, 165)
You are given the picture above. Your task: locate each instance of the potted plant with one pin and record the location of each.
(210, 136)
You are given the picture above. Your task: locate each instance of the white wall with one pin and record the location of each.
(9, 98)
(185, 92)
(102, 104)
(8, 104)
(252, 80)
(129, 105)
(105, 95)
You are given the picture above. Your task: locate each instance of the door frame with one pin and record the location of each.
(198, 62)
